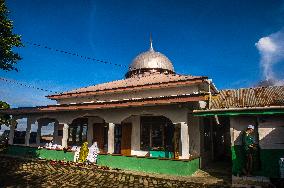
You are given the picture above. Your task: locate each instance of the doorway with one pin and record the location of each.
(100, 136)
(126, 139)
(221, 139)
(122, 139)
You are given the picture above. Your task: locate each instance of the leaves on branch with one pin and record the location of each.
(8, 40)
(4, 118)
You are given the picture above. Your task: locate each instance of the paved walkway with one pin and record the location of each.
(15, 172)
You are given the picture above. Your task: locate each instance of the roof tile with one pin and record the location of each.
(249, 97)
(135, 81)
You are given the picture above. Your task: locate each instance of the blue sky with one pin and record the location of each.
(210, 38)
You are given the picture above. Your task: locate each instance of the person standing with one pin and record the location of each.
(249, 147)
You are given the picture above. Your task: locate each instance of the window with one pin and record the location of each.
(117, 138)
(156, 133)
(78, 132)
(145, 136)
(20, 131)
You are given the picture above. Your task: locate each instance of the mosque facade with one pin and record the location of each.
(153, 113)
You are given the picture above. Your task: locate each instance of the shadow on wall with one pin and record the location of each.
(270, 133)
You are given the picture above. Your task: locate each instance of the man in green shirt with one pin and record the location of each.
(249, 147)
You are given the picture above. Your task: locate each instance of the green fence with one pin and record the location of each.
(152, 165)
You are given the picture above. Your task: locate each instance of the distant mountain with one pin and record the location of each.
(270, 82)
(266, 83)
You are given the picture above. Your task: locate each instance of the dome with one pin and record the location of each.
(150, 61)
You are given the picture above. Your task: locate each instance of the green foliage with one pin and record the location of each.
(4, 118)
(8, 40)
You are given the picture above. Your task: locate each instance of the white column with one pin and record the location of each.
(28, 132)
(55, 133)
(110, 146)
(184, 140)
(135, 135)
(12, 131)
(38, 134)
(90, 133)
(65, 135)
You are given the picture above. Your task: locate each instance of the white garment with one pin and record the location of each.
(93, 153)
(77, 152)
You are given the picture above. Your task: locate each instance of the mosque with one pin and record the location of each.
(154, 117)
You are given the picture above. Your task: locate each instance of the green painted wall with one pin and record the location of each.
(152, 165)
(269, 158)
(238, 159)
(33, 152)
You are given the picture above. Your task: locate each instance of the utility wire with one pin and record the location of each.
(75, 54)
(25, 85)
(64, 52)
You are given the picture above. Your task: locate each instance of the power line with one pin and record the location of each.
(76, 54)
(90, 58)
(25, 85)
(64, 52)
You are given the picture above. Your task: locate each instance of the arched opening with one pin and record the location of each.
(46, 133)
(159, 136)
(147, 135)
(45, 129)
(20, 131)
(77, 132)
(4, 133)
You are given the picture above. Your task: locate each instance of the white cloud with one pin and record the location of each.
(266, 45)
(271, 49)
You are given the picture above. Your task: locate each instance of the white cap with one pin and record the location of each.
(250, 127)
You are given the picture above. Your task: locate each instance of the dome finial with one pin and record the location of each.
(151, 43)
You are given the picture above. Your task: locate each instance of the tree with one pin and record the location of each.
(8, 40)
(4, 118)
(8, 58)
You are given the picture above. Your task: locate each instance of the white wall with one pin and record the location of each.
(271, 132)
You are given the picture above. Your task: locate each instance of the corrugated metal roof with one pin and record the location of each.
(249, 97)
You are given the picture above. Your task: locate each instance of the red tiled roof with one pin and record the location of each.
(132, 83)
(249, 97)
